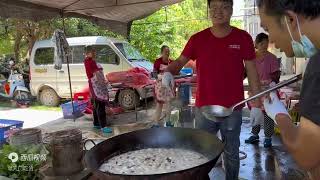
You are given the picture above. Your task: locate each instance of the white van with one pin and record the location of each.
(50, 85)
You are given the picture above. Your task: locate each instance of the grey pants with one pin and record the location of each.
(230, 128)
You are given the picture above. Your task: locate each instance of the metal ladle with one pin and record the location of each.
(213, 112)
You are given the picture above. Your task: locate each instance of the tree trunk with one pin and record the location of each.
(17, 45)
(31, 41)
(31, 29)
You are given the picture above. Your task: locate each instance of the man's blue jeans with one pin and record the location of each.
(230, 128)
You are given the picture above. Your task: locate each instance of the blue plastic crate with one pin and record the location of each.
(7, 127)
(185, 93)
(79, 107)
(187, 71)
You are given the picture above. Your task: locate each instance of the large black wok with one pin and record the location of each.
(192, 139)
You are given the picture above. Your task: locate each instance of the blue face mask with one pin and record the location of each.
(305, 47)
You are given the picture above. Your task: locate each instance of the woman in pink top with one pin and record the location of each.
(162, 94)
(268, 67)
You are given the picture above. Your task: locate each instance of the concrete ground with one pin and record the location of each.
(120, 124)
(267, 163)
(263, 163)
(31, 118)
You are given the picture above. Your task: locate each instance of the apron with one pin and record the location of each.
(99, 85)
(163, 94)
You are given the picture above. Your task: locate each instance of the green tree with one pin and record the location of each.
(171, 26)
(6, 46)
(22, 34)
(6, 40)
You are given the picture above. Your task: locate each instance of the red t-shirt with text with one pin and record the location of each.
(220, 66)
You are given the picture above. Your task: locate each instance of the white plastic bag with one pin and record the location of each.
(256, 116)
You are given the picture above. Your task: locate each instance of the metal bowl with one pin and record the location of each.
(215, 112)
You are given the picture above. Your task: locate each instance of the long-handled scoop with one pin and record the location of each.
(213, 112)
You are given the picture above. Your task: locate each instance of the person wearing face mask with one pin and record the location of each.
(293, 27)
(222, 53)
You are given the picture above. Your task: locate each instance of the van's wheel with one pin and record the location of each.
(49, 97)
(128, 99)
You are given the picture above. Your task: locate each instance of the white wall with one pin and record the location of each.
(252, 25)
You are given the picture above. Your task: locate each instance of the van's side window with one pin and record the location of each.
(106, 55)
(44, 56)
(77, 54)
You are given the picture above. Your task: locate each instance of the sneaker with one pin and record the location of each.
(267, 142)
(158, 124)
(169, 124)
(252, 139)
(97, 127)
(155, 126)
(106, 130)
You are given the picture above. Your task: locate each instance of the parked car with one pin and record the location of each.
(50, 85)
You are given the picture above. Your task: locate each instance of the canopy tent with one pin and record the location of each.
(114, 15)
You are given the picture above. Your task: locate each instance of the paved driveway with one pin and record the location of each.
(31, 118)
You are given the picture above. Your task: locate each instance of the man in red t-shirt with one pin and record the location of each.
(222, 52)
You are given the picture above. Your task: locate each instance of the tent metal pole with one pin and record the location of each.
(68, 67)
